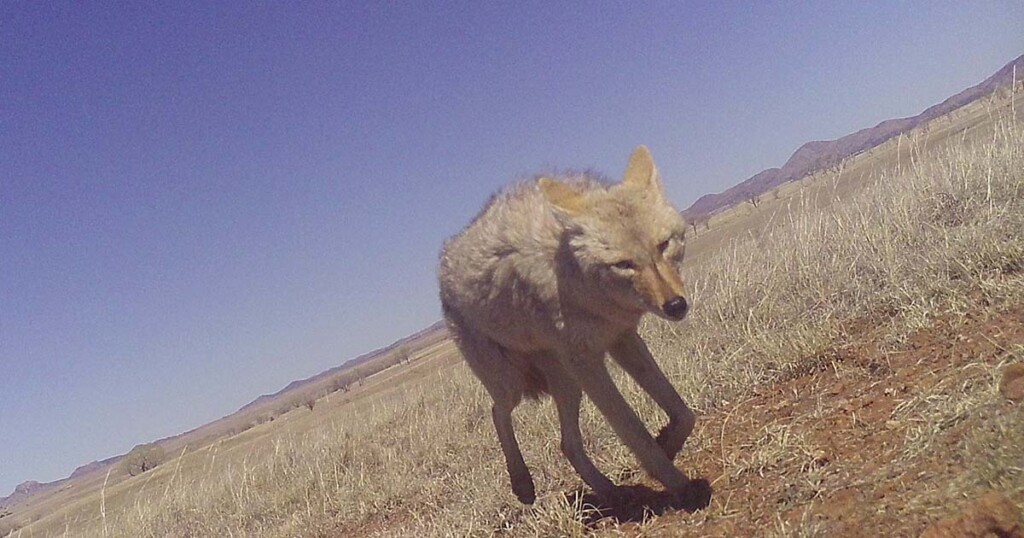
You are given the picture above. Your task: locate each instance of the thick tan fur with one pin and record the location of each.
(550, 277)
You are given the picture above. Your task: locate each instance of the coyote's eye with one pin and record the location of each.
(663, 246)
(624, 265)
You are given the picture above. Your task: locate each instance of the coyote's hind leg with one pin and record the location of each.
(567, 396)
(490, 362)
(518, 472)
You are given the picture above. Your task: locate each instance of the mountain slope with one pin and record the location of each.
(818, 155)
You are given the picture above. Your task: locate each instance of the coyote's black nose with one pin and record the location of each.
(675, 307)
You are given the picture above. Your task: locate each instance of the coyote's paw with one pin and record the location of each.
(695, 496)
(524, 490)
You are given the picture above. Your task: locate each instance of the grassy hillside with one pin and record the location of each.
(820, 155)
(833, 287)
(305, 392)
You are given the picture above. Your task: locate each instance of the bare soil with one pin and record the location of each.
(843, 435)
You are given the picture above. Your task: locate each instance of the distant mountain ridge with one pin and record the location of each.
(29, 488)
(33, 488)
(24, 490)
(818, 155)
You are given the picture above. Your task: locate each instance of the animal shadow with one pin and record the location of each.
(638, 502)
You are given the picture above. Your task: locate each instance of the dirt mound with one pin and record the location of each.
(991, 515)
(1012, 384)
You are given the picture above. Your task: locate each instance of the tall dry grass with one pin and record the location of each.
(942, 236)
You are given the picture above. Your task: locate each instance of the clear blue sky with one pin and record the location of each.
(199, 204)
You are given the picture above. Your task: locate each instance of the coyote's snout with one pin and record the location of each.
(552, 275)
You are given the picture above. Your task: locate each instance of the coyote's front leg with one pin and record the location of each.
(632, 354)
(592, 375)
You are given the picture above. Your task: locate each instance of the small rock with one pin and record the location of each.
(991, 514)
(1012, 384)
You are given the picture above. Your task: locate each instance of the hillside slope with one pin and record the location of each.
(819, 155)
(262, 408)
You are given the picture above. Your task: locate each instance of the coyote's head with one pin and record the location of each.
(627, 240)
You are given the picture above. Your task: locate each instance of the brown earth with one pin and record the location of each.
(841, 428)
(992, 515)
(1012, 384)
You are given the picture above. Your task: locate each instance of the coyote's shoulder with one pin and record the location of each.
(503, 269)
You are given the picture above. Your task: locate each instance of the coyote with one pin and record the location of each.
(551, 275)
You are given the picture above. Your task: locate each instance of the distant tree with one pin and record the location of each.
(340, 383)
(402, 354)
(753, 199)
(143, 458)
(700, 221)
(287, 405)
(310, 402)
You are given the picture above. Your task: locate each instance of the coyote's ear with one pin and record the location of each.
(562, 196)
(641, 172)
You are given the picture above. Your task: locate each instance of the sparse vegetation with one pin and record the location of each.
(699, 222)
(310, 402)
(939, 238)
(143, 458)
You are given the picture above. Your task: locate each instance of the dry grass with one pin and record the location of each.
(940, 236)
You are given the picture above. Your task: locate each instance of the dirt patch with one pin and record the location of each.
(1012, 384)
(869, 443)
(993, 514)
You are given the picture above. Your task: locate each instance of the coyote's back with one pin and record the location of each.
(549, 277)
(499, 274)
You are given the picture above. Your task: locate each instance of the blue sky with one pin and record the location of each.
(200, 203)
